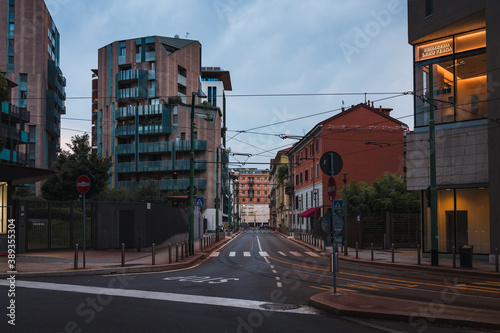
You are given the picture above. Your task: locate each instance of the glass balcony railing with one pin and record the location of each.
(125, 149)
(131, 75)
(131, 93)
(169, 184)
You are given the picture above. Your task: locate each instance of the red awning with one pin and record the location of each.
(310, 212)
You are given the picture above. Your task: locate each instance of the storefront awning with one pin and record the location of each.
(18, 174)
(310, 212)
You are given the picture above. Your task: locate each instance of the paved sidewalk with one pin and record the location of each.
(418, 314)
(97, 262)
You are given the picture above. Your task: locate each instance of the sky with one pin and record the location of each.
(293, 63)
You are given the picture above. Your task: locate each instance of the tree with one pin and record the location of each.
(4, 88)
(388, 194)
(69, 165)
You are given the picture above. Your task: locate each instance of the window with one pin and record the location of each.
(306, 153)
(312, 149)
(123, 51)
(258, 199)
(296, 179)
(23, 94)
(23, 78)
(317, 170)
(307, 175)
(317, 145)
(301, 177)
(429, 7)
(312, 174)
(452, 73)
(183, 136)
(11, 27)
(195, 136)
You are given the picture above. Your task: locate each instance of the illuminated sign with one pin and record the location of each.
(433, 50)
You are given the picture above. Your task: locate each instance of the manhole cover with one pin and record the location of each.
(279, 307)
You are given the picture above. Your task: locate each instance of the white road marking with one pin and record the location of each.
(247, 254)
(312, 254)
(296, 254)
(231, 254)
(161, 296)
(264, 254)
(258, 242)
(282, 253)
(274, 271)
(279, 284)
(215, 254)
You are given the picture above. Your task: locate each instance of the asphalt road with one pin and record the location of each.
(258, 282)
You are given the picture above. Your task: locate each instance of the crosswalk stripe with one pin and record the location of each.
(215, 254)
(296, 254)
(232, 254)
(282, 253)
(264, 254)
(247, 254)
(312, 254)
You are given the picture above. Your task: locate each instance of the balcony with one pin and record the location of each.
(15, 112)
(15, 134)
(125, 149)
(169, 184)
(131, 75)
(184, 165)
(125, 167)
(168, 146)
(132, 93)
(154, 166)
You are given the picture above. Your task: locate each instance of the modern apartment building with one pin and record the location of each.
(369, 141)
(141, 116)
(30, 59)
(252, 198)
(456, 69)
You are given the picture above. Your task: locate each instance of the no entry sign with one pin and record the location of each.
(83, 184)
(332, 189)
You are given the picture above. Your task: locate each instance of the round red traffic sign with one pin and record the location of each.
(83, 184)
(331, 189)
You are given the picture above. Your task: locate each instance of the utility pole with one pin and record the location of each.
(433, 181)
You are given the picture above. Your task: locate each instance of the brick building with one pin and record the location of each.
(252, 198)
(30, 59)
(136, 121)
(369, 141)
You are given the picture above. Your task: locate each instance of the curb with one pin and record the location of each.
(195, 259)
(319, 301)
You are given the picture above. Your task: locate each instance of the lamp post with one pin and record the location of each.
(200, 94)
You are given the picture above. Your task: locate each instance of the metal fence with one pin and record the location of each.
(53, 225)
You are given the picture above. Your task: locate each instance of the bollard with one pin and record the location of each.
(357, 249)
(182, 251)
(76, 256)
(201, 244)
(153, 250)
(345, 248)
(169, 253)
(123, 254)
(186, 248)
(454, 256)
(392, 250)
(418, 254)
(138, 244)
(496, 260)
(176, 252)
(371, 245)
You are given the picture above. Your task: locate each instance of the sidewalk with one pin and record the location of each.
(418, 314)
(99, 262)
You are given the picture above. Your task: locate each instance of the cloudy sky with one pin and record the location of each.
(292, 62)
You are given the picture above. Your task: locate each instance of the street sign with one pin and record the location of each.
(338, 205)
(290, 212)
(338, 239)
(199, 202)
(332, 188)
(326, 222)
(83, 184)
(338, 223)
(331, 163)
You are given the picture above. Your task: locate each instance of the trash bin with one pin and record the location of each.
(466, 256)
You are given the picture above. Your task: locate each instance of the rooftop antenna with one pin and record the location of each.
(187, 34)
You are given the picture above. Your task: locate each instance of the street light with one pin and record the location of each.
(200, 94)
